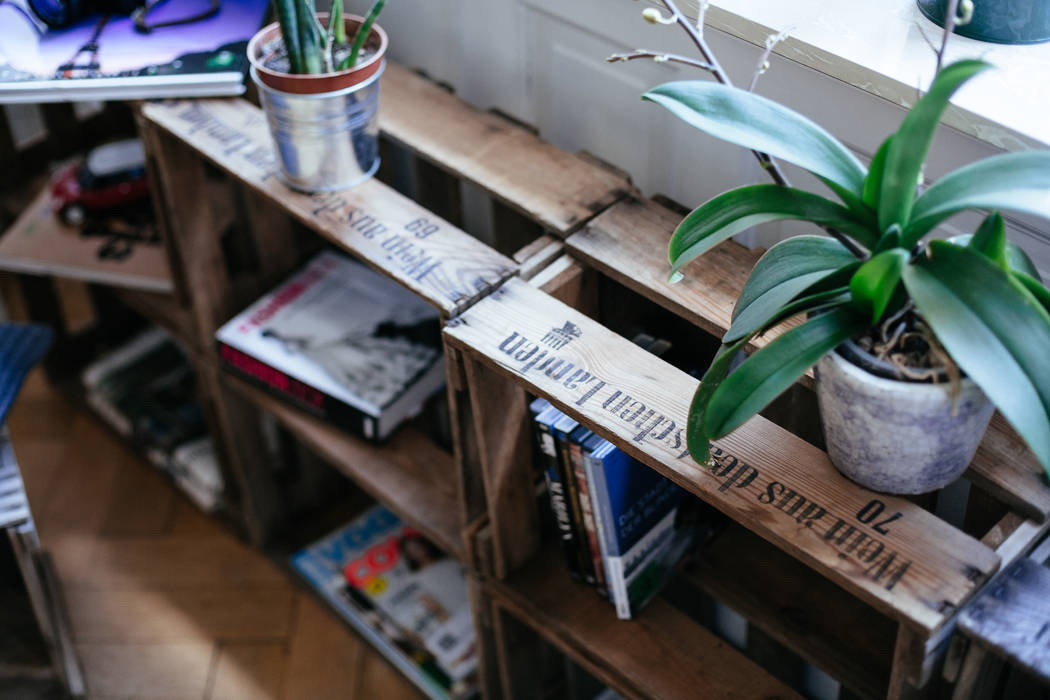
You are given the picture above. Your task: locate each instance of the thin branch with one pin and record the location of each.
(659, 58)
(763, 60)
(950, 18)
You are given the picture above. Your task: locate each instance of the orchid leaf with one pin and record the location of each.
(738, 210)
(909, 145)
(873, 285)
(758, 123)
(757, 318)
(990, 240)
(873, 182)
(1035, 288)
(995, 331)
(1012, 181)
(774, 368)
(1017, 259)
(695, 436)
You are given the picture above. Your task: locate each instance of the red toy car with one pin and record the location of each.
(110, 176)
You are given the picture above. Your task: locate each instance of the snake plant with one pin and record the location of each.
(310, 46)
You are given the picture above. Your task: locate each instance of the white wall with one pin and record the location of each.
(542, 61)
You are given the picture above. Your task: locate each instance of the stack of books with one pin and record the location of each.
(146, 391)
(404, 595)
(622, 526)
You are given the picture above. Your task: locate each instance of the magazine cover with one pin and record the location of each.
(60, 50)
(404, 595)
(343, 342)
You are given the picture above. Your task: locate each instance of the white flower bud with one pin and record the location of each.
(651, 15)
(965, 13)
(660, 59)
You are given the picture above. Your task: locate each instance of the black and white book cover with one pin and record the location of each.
(343, 342)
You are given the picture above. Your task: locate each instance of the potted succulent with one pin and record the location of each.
(318, 80)
(909, 336)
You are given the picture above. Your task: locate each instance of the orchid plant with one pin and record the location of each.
(978, 298)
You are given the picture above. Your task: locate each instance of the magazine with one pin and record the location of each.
(342, 342)
(404, 595)
(127, 49)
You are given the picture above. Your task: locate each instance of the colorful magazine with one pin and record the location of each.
(63, 51)
(404, 595)
(343, 342)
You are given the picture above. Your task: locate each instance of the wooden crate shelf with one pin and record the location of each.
(628, 243)
(410, 474)
(661, 654)
(558, 190)
(162, 309)
(439, 262)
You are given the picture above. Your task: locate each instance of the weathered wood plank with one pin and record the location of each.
(660, 654)
(409, 474)
(559, 190)
(894, 555)
(1012, 617)
(628, 242)
(444, 265)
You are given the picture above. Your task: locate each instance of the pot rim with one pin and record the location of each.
(853, 353)
(254, 72)
(852, 368)
(306, 84)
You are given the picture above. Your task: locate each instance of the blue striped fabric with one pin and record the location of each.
(22, 345)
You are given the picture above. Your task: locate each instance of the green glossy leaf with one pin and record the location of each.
(907, 150)
(873, 285)
(759, 318)
(1015, 256)
(774, 368)
(890, 239)
(695, 436)
(1035, 288)
(738, 210)
(1011, 181)
(758, 123)
(995, 332)
(855, 204)
(990, 240)
(288, 17)
(873, 182)
(309, 38)
(336, 26)
(362, 34)
(786, 270)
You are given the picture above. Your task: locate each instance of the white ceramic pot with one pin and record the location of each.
(896, 436)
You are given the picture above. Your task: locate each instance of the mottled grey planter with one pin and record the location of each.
(896, 436)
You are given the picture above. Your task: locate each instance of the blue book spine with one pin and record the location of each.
(548, 449)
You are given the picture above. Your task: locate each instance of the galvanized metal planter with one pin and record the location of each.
(326, 141)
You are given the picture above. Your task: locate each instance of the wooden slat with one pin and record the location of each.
(559, 190)
(628, 242)
(794, 605)
(912, 566)
(445, 266)
(1006, 467)
(1013, 616)
(165, 311)
(409, 474)
(660, 654)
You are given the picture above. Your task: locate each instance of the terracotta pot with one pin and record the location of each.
(321, 82)
(897, 436)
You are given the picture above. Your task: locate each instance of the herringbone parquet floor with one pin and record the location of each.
(164, 601)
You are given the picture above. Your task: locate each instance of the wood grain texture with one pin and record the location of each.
(1012, 617)
(409, 473)
(793, 604)
(628, 242)
(559, 190)
(444, 265)
(660, 654)
(914, 567)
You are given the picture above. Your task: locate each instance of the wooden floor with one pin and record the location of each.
(164, 601)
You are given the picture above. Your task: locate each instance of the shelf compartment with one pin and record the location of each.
(794, 605)
(559, 190)
(660, 654)
(409, 474)
(439, 262)
(628, 243)
(915, 568)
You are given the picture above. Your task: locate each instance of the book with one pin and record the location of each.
(547, 448)
(583, 493)
(195, 468)
(562, 427)
(342, 342)
(403, 595)
(150, 50)
(644, 530)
